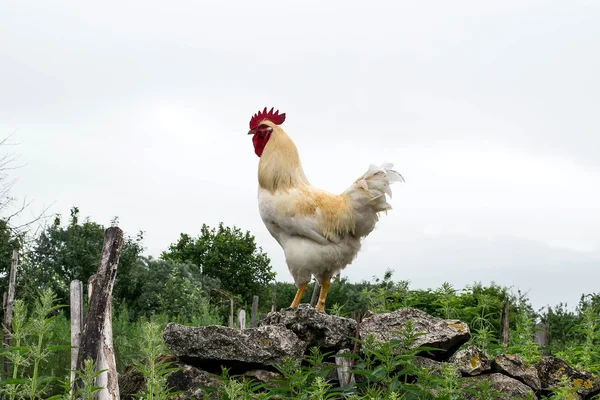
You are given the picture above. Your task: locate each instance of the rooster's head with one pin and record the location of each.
(262, 125)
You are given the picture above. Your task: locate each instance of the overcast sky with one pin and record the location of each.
(490, 110)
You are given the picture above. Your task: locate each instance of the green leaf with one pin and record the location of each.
(12, 381)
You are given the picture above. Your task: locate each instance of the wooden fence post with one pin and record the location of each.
(357, 332)
(542, 336)
(504, 324)
(76, 297)
(315, 294)
(108, 380)
(231, 313)
(253, 311)
(344, 365)
(8, 305)
(101, 363)
(242, 319)
(96, 337)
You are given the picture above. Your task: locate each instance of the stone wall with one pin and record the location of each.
(290, 333)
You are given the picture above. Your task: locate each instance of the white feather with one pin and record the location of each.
(308, 250)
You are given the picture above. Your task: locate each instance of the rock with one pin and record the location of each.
(332, 374)
(131, 382)
(190, 380)
(262, 376)
(253, 354)
(443, 334)
(508, 388)
(435, 368)
(550, 371)
(514, 366)
(210, 347)
(328, 332)
(471, 361)
(187, 379)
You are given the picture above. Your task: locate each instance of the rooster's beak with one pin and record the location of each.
(251, 132)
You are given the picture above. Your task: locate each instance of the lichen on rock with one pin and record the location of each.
(330, 333)
(513, 365)
(446, 335)
(211, 347)
(471, 361)
(551, 370)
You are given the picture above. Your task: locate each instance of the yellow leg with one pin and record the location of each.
(299, 295)
(322, 296)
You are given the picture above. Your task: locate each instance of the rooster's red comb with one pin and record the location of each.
(260, 116)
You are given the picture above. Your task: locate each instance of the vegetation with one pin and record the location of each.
(193, 282)
(39, 360)
(60, 254)
(228, 255)
(39, 356)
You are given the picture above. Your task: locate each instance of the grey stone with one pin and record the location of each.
(471, 361)
(262, 376)
(186, 378)
(514, 366)
(507, 387)
(551, 370)
(210, 347)
(190, 381)
(131, 382)
(328, 332)
(447, 335)
(434, 367)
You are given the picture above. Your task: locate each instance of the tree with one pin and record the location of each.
(12, 235)
(7, 243)
(561, 321)
(226, 254)
(61, 254)
(173, 289)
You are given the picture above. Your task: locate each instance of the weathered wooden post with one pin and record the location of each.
(253, 311)
(315, 294)
(504, 324)
(231, 313)
(357, 332)
(242, 319)
(96, 337)
(344, 365)
(101, 363)
(76, 300)
(8, 305)
(542, 336)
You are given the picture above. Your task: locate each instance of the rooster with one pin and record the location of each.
(320, 232)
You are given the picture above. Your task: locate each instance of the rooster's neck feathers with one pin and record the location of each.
(280, 167)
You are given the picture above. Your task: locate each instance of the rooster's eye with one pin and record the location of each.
(263, 130)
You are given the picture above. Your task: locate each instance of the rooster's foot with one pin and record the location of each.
(299, 293)
(322, 296)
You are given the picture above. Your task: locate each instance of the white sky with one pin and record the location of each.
(488, 109)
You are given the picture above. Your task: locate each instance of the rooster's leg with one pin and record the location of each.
(299, 295)
(322, 296)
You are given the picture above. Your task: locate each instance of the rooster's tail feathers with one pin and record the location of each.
(376, 184)
(369, 195)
